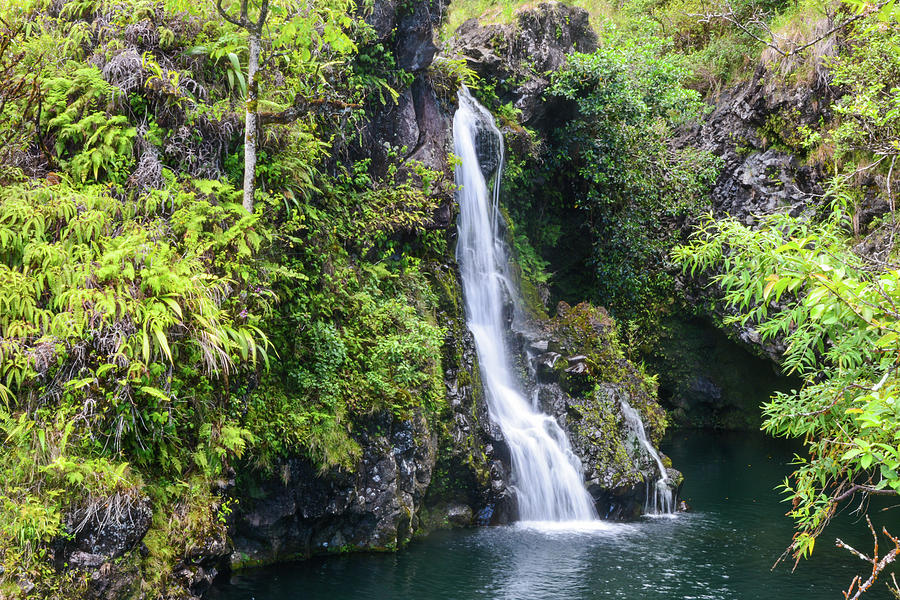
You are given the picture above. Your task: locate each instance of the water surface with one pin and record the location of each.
(723, 550)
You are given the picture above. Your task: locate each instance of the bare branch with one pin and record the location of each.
(303, 106)
(878, 565)
(862, 488)
(759, 19)
(224, 14)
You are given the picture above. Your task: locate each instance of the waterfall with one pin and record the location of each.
(660, 500)
(547, 474)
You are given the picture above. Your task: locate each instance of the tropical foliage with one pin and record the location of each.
(153, 333)
(827, 297)
(616, 178)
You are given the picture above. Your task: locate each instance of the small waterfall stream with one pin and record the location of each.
(547, 474)
(660, 499)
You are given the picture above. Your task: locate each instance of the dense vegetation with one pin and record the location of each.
(152, 331)
(829, 295)
(155, 334)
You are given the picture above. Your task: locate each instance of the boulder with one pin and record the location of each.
(518, 57)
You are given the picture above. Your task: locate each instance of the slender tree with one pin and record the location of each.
(301, 105)
(251, 117)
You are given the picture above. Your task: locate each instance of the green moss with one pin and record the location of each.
(600, 423)
(782, 132)
(590, 331)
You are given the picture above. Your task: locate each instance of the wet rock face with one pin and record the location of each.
(473, 467)
(488, 149)
(375, 507)
(616, 467)
(414, 475)
(517, 57)
(580, 381)
(416, 127)
(446, 469)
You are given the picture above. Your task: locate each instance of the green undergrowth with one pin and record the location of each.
(122, 324)
(154, 335)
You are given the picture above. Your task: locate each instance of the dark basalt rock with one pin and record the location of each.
(106, 530)
(409, 26)
(375, 507)
(107, 547)
(760, 174)
(560, 353)
(753, 127)
(200, 565)
(105, 535)
(487, 147)
(416, 127)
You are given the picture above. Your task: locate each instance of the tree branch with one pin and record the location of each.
(730, 16)
(263, 15)
(862, 488)
(878, 565)
(236, 22)
(303, 106)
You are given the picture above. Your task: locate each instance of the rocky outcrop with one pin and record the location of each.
(753, 128)
(105, 531)
(105, 540)
(105, 548)
(517, 57)
(374, 507)
(415, 128)
(408, 28)
(580, 378)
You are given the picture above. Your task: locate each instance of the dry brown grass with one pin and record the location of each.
(809, 66)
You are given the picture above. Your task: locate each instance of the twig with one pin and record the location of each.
(730, 16)
(862, 488)
(878, 565)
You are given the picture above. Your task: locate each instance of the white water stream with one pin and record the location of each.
(660, 499)
(547, 474)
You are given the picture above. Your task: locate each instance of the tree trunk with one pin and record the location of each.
(251, 125)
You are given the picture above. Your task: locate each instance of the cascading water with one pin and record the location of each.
(547, 473)
(660, 499)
